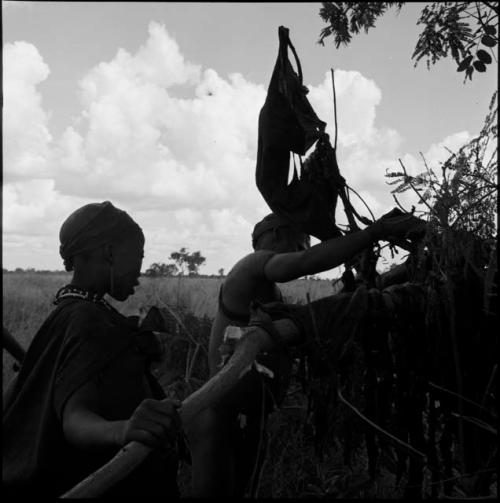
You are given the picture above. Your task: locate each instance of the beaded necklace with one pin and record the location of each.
(76, 292)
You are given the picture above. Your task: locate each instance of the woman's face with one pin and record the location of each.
(127, 257)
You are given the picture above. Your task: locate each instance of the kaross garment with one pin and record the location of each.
(80, 341)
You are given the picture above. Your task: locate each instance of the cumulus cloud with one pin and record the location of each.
(25, 123)
(364, 150)
(182, 166)
(29, 206)
(357, 98)
(140, 142)
(33, 212)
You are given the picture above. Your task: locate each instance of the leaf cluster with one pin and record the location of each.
(464, 195)
(158, 269)
(184, 259)
(345, 18)
(466, 31)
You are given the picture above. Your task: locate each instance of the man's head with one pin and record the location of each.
(105, 247)
(276, 233)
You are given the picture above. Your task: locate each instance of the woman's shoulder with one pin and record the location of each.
(83, 309)
(84, 317)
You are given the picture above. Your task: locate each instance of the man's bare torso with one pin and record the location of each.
(245, 282)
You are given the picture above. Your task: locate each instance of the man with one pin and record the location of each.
(84, 389)
(226, 453)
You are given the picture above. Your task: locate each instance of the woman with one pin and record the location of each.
(84, 389)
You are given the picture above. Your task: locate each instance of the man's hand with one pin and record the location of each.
(398, 225)
(154, 423)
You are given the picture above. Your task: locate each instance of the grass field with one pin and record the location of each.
(290, 469)
(27, 300)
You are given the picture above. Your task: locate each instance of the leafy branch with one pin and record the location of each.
(464, 31)
(464, 195)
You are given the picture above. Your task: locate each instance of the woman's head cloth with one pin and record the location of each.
(269, 222)
(92, 226)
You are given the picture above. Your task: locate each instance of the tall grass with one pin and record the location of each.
(27, 300)
(291, 468)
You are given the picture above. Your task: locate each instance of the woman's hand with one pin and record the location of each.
(397, 225)
(155, 423)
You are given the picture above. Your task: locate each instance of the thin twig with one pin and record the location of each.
(313, 318)
(179, 321)
(488, 184)
(468, 14)
(466, 210)
(254, 490)
(353, 211)
(470, 188)
(334, 109)
(399, 204)
(492, 7)
(458, 366)
(479, 17)
(451, 479)
(348, 210)
(474, 498)
(317, 339)
(193, 361)
(363, 201)
(435, 386)
(490, 384)
(429, 170)
(411, 449)
(476, 422)
(408, 179)
(186, 371)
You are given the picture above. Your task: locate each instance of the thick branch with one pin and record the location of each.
(492, 7)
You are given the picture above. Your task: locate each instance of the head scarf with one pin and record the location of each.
(270, 222)
(92, 226)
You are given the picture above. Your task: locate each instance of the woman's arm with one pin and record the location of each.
(153, 423)
(83, 427)
(321, 257)
(334, 252)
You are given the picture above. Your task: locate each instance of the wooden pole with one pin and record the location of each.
(12, 346)
(129, 457)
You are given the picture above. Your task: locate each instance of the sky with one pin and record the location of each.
(154, 106)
